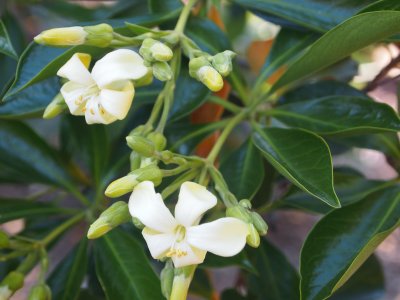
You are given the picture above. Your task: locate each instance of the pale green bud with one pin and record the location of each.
(222, 62)
(65, 36)
(13, 281)
(55, 107)
(253, 238)
(116, 214)
(141, 145)
(239, 212)
(167, 278)
(135, 160)
(195, 64)
(99, 35)
(4, 240)
(210, 78)
(245, 203)
(166, 156)
(153, 50)
(162, 71)
(40, 292)
(145, 80)
(259, 223)
(150, 173)
(159, 140)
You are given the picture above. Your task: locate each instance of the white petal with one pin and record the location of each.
(73, 96)
(193, 201)
(193, 256)
(121, 64)
(118, 103)
(96, 114)
(76, 69)
(158, 243)
(150, 209)
(224, 237)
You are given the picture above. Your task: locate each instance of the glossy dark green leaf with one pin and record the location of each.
(338, 114)
(243, 170)
(11, 209)
(41, 62)
(351, 35)
(367, 283)
(31, 101)
(313, 14)
(6, 46)
(382, 5)
(320, 89)
(160, 6)
(26, 157)
(66, 280)
(276, 279)
(239, 260)
(189, 94)
(341, 241)
(123, 268)
(303, 157)
(349, 187)
(232, 294)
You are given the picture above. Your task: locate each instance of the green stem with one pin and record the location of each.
(225, 103)
(60, 229)
(171, 188)
(181, 283)
(180, 25)
(240, 89)
(28, 263)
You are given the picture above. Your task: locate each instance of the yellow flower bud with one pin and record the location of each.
(122, 185)
(162, 71)
(99, 35)
(153, 50)
(210, 78)
(40, 292)
(65, 36)
(159, 140)
(55, 107)
(259, 223)
(253, 238)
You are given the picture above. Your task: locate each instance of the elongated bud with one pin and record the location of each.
(145, 80)
(259, 223)
(135, 160)
(99, 35)
(11, 283)
(126, 184)
(210, 78)
(239, 212)
(159, 140)
(112, 217)
(141, 145)
(65, 36)
(162, 71)
(222, 62)
(4, 240)
(253, 238)
(167, 278)
(195, 64)
(153, 50)
(40, 292)
(55, 107)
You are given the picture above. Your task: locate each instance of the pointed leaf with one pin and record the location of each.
(6, 46)
(303, 157)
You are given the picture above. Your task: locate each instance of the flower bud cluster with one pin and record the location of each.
(210, 69)
(256, 224)
(156, 55)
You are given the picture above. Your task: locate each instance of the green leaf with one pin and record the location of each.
(276, 276)
(189, 94)
(123, 268)
(367, 283)
(40, 62)
(338, 114)
(349, 187)
(232, 294)
(243, 170)
(6, 46)
(26, 157)
(317, 15)
(341, 241)
(157, 6)
(31, 101)
(11, 209)
(303, 157)
(352, 35)
(66, 280)
(240, 260)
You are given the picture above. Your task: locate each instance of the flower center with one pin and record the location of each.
(180, 233)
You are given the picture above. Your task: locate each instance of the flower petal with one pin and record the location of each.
(121, 64)
(193, 201)
(76, 69)
(193, 256)
(73, 96)
(224, 237)
(118, 103)
(96, 114)
(150, 209)
(158, 243)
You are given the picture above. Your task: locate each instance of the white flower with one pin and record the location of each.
(105, 94)
(181, 238)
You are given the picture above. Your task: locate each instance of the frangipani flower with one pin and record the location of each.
(105, 94)
(181, 238)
